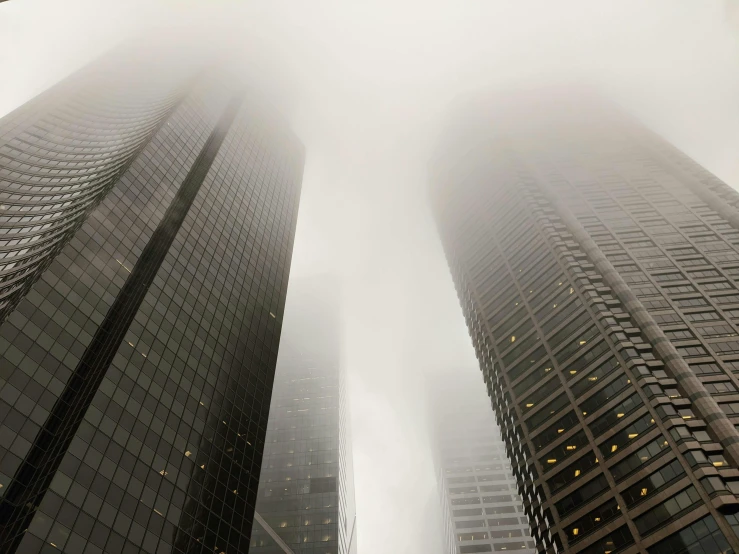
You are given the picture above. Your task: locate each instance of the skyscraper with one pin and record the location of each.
(481, 509)
(306, 489)
(149, 209)
(597, 269)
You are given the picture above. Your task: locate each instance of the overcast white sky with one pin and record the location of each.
(366, 86)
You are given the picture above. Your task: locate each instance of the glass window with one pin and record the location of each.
(670, 508)
(593, 520)
(701, 537)
(572, 472)
(582, 495)
(648, 486)
(635, 460)
(602, 396)
(615, 414)
(617, 540)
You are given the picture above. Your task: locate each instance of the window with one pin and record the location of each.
(573, 472)
(582, 495)
(720, 330)
(534, 378)
(470, 524)
(602, 396)
(580, 342)
(669, 509)
(679, 334)
(691, 302)
(502, 522)
(678, 289)
(701, 537)
(478, 536)
(544, 415)
(725, 347)
(534, 400)
(568, 448)
(467, 512)
(495, 510)
(472, 548)
(522, 366)
(506, 534)
(650, 485)
(592, 520)
(709, 368)
(667, 277)
(691, 351)
(634, 461)
(702, 316)
(614, 415)
(667, 318)
(551, 433)
(617, 442)
(520, 348)
(723, 387)
(593, 377)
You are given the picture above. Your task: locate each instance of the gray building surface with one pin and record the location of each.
(480, 505)
(306, 488)
(597, 269)
(148, 216)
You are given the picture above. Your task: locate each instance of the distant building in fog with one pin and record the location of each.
(481, 509)
(306, 489)
(598, 270)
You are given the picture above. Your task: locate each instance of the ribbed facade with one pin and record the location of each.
(306, 489)
(597, 268)
(481, 509)
(62, 153)
(135, 372)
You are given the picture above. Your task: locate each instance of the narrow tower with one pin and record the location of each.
(481, 509)
(306, 488)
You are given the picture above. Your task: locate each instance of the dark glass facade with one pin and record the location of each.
(597, 268)
(481, 509)
(306, 490)
(137, 365)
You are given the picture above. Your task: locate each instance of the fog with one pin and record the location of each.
(366, 87)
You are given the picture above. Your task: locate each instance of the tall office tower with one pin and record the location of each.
(597, 269)
(481, 509)
(148, 220)
(306, 489)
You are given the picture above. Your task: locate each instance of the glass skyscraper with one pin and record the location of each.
(148, 216)
(597, 268)
(481, 509)
(306, 489)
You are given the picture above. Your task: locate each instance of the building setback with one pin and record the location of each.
(481, 509)
(306, 489)
(148, 219)
(597, 269)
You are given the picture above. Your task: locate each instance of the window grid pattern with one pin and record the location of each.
(301, 489)
(61, 155)
(639, 234)
(482, 509)
(150, 466)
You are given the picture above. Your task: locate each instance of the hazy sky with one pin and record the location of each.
(366, 86)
